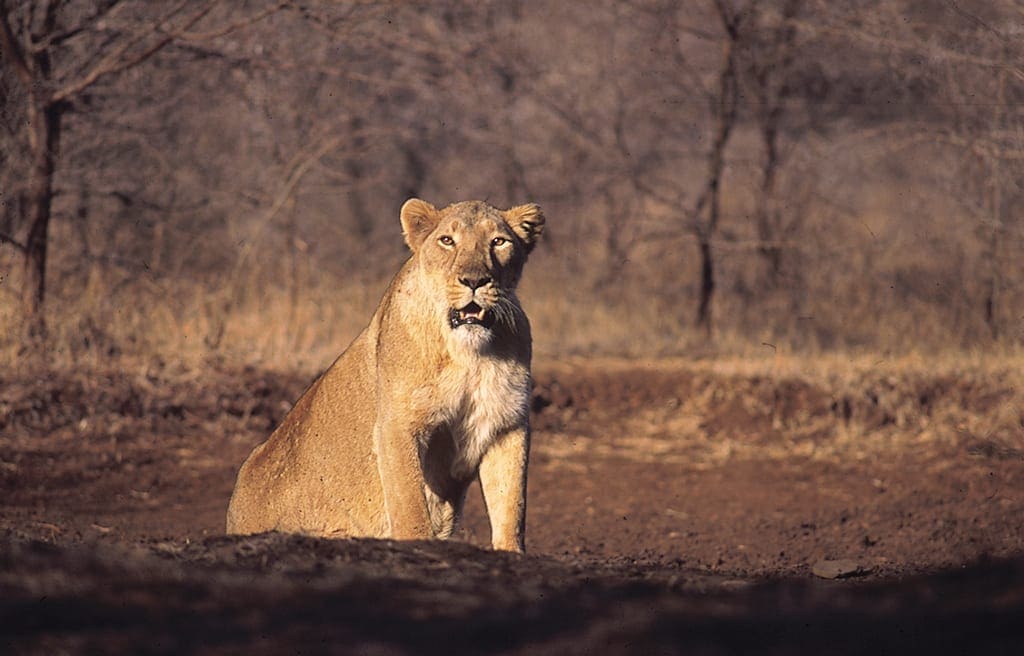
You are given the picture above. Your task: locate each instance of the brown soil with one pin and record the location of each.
(671, 510)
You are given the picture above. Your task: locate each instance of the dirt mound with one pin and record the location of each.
(269, 594)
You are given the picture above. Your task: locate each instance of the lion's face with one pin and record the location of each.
(471, 256)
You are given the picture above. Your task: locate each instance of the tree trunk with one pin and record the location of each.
(707, 287)
(725, 109)
(992, 255)
(767, 213)
(772, 89)
(45, 126)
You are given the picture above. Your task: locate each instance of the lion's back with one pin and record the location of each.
(316, 473)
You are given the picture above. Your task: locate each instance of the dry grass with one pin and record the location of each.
(827, 408)
(104, 321)
(132, 323)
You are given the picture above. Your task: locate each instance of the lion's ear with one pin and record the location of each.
(419, 218)
(527, 221)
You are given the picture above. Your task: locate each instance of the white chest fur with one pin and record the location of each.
(481, 397)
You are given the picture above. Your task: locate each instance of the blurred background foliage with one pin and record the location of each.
(225, 177)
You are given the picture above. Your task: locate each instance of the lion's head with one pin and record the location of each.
(471, 256)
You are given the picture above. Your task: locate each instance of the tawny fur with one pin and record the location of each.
(387, 440)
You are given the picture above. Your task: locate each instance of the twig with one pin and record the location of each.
(7, 239)
(113, 63)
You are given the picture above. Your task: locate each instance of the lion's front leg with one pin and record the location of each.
(503, 481)
(401, 477)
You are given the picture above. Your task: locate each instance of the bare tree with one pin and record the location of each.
(724, 110)
(769, 63)
(58, 50)
(975, 64)
(218, 172)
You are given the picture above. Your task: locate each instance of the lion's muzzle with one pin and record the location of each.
(470, 315)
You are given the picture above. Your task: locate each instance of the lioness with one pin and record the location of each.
(434, 392)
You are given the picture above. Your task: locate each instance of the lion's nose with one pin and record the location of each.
(475, 283)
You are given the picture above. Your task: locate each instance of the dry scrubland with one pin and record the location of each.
(817, 176)
(777, 318)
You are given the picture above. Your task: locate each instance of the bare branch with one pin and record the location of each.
(7, 239)
(234, 27)
(10, 49)
(298, 167)
(974, 19)
(907, 44)
(978, 145)
(57, 38)
(119, 61)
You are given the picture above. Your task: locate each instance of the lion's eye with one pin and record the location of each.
(498, 241)
(446, 241)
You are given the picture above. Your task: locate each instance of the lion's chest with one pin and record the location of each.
(477, 402)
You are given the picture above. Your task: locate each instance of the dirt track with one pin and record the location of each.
(671, 509)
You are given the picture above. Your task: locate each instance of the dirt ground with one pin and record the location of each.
(672, 509)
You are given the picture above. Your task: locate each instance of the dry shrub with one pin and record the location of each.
(111, 320)
(237, 200)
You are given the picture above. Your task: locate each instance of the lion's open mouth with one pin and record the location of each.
(472, 314)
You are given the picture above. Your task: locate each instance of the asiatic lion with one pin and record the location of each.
(432, 394)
